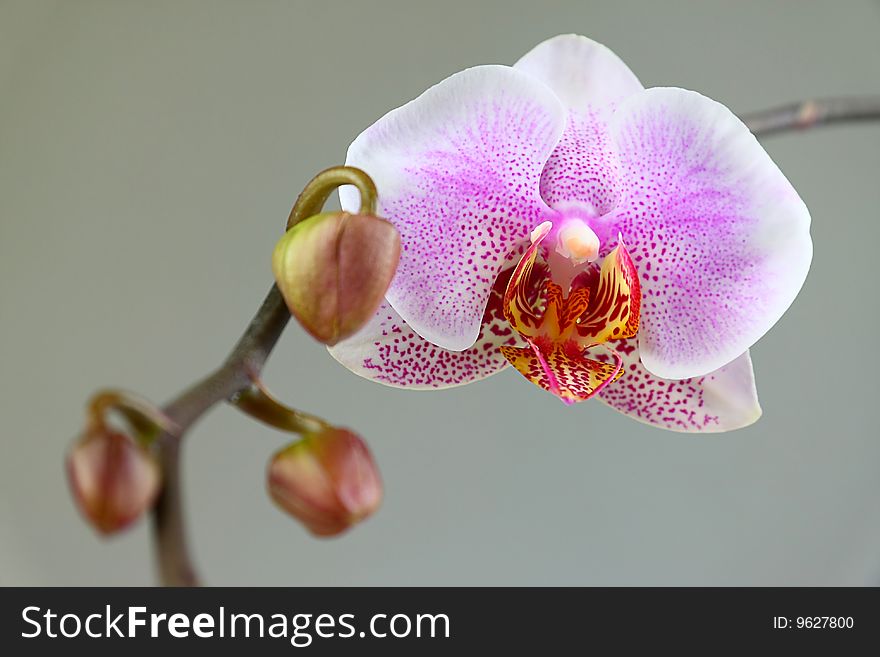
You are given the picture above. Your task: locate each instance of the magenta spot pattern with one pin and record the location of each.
(469, 204)
(689, 233)
(583, 171)
(697, 194)
(676, 405)
(393, 354)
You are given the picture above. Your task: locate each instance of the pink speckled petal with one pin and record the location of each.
(719, 236)
(457, 170)
(723, 400)
(582, 175)
(390, 352)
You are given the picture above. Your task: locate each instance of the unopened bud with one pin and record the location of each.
(113, 478)
(327, 480)
(333, 270)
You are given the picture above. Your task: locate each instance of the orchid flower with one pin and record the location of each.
(607, 240)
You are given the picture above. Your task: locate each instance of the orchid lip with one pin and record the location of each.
(574, 320)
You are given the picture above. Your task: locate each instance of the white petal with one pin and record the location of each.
(582, 174)
(584, 74)
(457, 171)
(388, 351)
(719, 236)
(723, 400)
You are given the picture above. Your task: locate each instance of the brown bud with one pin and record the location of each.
(113, 479)
(333, 270)
(327, 480)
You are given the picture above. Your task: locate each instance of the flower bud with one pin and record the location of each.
(327, 480)
(113, 479)
(333, 270)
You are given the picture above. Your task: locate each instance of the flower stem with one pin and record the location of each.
(812, 113)
(235, 375)
(246, 361)
(256, 402)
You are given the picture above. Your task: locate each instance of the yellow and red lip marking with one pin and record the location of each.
(607, 308)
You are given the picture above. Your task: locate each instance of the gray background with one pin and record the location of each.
(149, 154)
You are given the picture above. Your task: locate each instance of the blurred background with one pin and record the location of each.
(149, 155)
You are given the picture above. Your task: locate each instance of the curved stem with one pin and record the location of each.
(316, 193)
(256, 402)
(812, 113)
(235, 381)
(145, 420)
(249, 355)
(245, 361)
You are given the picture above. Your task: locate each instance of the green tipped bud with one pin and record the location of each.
(333, 270)
(328, 481)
